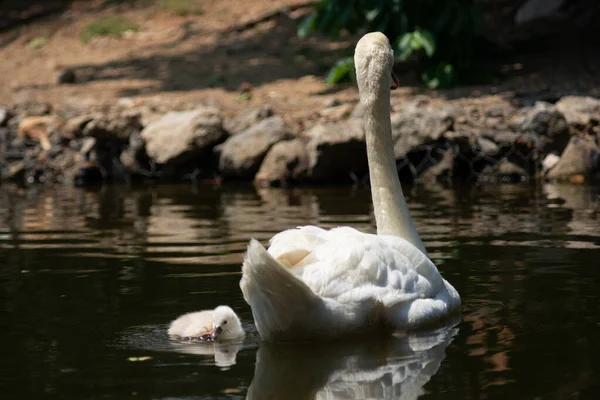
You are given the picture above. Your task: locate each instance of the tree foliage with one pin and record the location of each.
(440, 35)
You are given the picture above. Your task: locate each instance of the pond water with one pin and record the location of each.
(89, 281)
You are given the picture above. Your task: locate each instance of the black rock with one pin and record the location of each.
(88, 174)
(67, 75)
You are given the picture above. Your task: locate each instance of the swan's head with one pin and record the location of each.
(374, 59)
(226, 324)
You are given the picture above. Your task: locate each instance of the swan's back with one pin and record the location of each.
(351, 267)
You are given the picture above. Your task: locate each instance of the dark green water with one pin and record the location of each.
(90, 279)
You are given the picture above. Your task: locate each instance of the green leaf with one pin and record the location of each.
(427, 42)
(372, 14)
(440, 76)
(431, 82)
(342, 71)
(307, 26)
(37, 42)
(442, 36)
(405, 41)
(415, 42)
(405, 46)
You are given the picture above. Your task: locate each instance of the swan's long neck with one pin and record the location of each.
(391, 211)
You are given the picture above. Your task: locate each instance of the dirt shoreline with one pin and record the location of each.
(173, 60)
(178, 63)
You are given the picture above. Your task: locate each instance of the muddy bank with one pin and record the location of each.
(479, 140)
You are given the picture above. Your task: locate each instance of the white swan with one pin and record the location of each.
(313, 283)
(219, 324)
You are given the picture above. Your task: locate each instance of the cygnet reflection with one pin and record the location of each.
(224, 353)
(372, 368)
(154, 338)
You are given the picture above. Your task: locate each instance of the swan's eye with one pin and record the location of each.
(225, 322)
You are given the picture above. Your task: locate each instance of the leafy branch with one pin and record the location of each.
(440, 35)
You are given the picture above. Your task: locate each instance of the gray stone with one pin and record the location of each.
(73, 128)
(113, 126)
(4, 115)
(39, 129)
(337, 113)
(581, 156)
(504, 171)
(87, 145)
(335, 150)
(331, 102)
(180, 136)
(247, 118)
(501, 138)
(582, 112)
(32, 108)
(440, 172)
(15, 172)
(487, 146)
(533, 10)
(133, 155)
(542, 119)
(549, 161)
(63, 166)
(286, 161)
(414, 125)
(494, 112)
(545, 124)
(241, 155)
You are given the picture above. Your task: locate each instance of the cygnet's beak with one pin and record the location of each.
(216, 332)
(395, 81)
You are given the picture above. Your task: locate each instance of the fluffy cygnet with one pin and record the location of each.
(219, 324)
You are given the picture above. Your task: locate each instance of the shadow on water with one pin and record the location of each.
(89, 280)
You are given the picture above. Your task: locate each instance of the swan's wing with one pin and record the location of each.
(291, 247)
(351, 266)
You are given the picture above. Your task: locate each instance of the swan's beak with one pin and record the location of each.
(216, 332)
(395, 81)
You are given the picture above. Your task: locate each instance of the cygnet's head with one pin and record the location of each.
(374, 59)
(227, 325)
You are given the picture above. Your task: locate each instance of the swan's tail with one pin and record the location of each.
(279, 300)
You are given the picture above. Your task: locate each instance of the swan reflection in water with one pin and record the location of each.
(374, 368)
